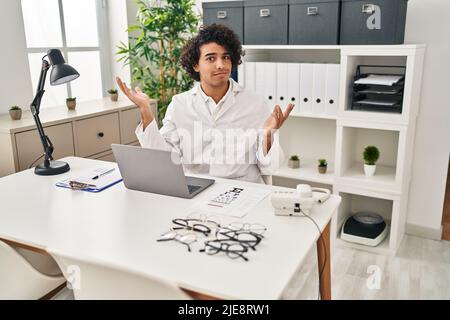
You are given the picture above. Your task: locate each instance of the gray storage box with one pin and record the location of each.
(373, 22)
(266, 21)
(314, 22)
(229, 13)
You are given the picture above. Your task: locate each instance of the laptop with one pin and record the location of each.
(156, 171)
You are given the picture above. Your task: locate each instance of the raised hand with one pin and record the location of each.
(136, 95)
(140, 99)
(277, 118)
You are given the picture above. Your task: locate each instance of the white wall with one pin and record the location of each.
(15, 80)
(428, 22)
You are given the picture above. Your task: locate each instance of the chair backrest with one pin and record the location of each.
(102, 281)
(20, 280)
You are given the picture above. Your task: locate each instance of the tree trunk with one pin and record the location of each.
(162, 94)
(173, 66)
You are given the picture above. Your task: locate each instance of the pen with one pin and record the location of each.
(102, 174)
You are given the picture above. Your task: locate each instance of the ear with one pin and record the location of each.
(196, 68)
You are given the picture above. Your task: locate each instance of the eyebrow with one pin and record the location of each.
(215, 54)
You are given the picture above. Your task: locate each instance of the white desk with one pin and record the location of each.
(120, 226)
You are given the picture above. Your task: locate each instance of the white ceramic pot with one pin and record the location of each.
(369, 170)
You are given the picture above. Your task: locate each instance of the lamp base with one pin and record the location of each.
(56, 167)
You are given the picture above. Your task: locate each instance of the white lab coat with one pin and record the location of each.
(221, 141)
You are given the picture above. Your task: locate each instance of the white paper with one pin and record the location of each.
(377, 102)
(87, 177)
(231, 201)
(377, 79)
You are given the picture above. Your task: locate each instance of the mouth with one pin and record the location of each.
(220, 74)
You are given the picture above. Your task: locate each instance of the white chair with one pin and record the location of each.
(20, 280)
(91, 281)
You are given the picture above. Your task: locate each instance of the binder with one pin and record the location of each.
(293, 87)
(249, 76)
(270, 83)
(306, 87)
(332, 95)
(319, 88)
(259, 78)
(282, 85)
(95, 180)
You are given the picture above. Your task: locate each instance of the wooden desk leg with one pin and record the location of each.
(325, 280)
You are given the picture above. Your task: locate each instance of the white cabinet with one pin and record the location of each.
(29, 147)
(330, 129)
(96, 134)
(88, 131)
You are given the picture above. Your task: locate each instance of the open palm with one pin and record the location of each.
(277, 118)
(138, 97)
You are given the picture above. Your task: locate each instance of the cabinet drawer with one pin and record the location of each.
(29, 146)
(95, 135)
(129, 120)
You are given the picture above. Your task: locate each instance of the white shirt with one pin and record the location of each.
(223, 140)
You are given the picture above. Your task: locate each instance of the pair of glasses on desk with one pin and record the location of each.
(76, 185)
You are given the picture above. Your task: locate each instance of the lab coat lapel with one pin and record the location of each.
(200, 104)
(230, 101)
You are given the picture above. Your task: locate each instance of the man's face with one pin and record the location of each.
(214, 64)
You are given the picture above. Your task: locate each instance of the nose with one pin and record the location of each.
(219, 64)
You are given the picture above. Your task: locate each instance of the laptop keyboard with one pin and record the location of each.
(192, 189)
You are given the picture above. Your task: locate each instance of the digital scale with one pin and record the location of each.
(367, 228)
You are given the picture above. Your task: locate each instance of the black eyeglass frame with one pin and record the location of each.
(224, 246)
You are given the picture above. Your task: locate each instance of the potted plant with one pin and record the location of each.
(71, 103)
(15, 112)
(294, 162)
(370, 155)
(113, 94)
(156, 42)
(322, 165)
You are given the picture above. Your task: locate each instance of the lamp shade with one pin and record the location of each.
(61, 71)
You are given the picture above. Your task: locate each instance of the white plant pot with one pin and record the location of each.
(369, 170)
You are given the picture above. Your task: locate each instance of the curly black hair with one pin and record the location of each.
(217, 33)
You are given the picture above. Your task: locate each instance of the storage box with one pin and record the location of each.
(266, 22)
(374, 22)
(229, 13)
(314, 22)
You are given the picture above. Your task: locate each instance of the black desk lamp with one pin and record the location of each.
(61, 73)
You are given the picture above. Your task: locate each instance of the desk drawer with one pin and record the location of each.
(129, 120)
(95, 135)
(29, 146)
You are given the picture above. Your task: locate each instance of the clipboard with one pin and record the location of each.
(95, 180)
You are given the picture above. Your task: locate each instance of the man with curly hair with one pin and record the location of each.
(218, 127)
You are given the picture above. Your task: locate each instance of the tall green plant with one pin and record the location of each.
(153, 55)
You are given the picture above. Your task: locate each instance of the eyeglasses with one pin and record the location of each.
(233, 249)
(191, 224)
(187, 238)
(243, 226)
(197, 222)
(245, 238)
(211, 221)
(76, 185)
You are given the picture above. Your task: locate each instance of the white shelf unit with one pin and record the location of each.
(341, 138)
(354, 200)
